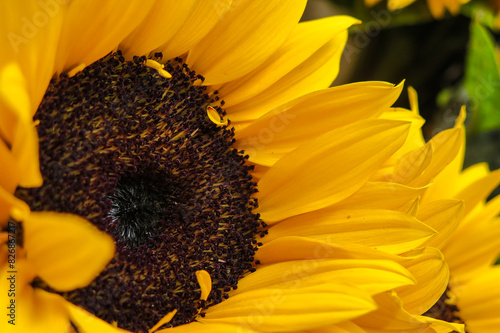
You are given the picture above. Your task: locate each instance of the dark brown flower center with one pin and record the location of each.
(443, 309)
(136, 155)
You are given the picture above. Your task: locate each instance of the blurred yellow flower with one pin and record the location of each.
(437, 7)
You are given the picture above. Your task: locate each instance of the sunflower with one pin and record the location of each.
(191, 171)
(437, 8)
(471, 248)
(467, 225)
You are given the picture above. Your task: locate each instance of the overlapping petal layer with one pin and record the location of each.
(362, 147)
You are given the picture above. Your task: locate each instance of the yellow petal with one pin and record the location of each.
(441, 326)
(479, 302)
(473, 250)
(201, 20)
(158, 67)
(370, 3)
(205, 282)
(410, 208)
(308, 77)
(88, 323)
(381, 195)
(30, 33)
(391, 317)
(35, 310)
(471, 175)
(415, 137)
(444, 217)
(222, 55)
(299, 248)
(398, 4)
(296, 123)
(344, 327)
(214, 117)
(67, 250)
(410, 166)
(9, 170)
(446, 147)
(482, 214)
(479, 190)
(437, 8)
(429, 268)
(209, 328)
(11, 206)
(165, 320)
(284, 310)
(16, 125)
(447, 181)
(413, 98)
(112, 21)
(306, 39)
(160, 25)
(384, 230)
(372, 276)
(327, 169)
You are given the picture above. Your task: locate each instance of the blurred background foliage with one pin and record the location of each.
(450, 61)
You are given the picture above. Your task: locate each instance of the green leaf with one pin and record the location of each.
(482, 80)
(479, 11)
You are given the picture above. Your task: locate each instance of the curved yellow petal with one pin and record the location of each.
(9, 170)
(431, 272)
(483, 214)
(398, 4)
(415, 137)
(306, 39)
(214, 117)
(443, 216)
(381, 195)
(308, 77)
(247, 29)
(283, 129)
(29, 37)
(437, 8)
(412, 165)
(285, 310)
(446, 147)
(384, 230)
(205, 282)
(446, 182)
(16, 125)
(201, 20)
(160, 25)
(165, 320)
(209, 328)
(88, 323)
(479, 302)
(344, 327)
(67, 250)
(372, 276)
(473, 250)
(33, 310)
(411, 207)
(472, 174)
(479, 190)
(390, 316)
(11, 206)
(289, 248)
(328, 169)
(112, 21)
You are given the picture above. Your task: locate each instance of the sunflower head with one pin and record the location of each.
(135, 153)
